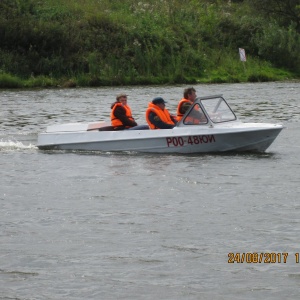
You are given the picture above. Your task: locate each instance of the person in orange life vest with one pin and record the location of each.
(157, 116)
(196, 116)
(121, 116)
(189, 96)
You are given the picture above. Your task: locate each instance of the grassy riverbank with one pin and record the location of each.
(73, 43)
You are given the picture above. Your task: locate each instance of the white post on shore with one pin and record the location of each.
(243, 56)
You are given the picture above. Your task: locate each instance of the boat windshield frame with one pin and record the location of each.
(208, 110)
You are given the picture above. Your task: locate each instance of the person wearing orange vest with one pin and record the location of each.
(189, 96)
(157, 116)
(121, 116)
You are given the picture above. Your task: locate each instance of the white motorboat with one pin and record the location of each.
(208, 126)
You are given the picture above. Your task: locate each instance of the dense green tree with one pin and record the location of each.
(284, 12)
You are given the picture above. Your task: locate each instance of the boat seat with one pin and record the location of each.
(107, 128)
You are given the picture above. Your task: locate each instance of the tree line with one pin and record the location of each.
(102, 42)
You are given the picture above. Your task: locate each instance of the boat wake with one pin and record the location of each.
(14, 145)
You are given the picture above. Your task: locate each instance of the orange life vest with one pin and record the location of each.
(188, 119)
(164, 115)
(115, 121)
(181, 102)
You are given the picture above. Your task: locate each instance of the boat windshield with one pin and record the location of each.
(196, 116)
(218, 110)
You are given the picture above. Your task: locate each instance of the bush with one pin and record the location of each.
(280, 46)
(9, 81)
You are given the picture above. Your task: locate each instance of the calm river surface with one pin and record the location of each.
(147, 226)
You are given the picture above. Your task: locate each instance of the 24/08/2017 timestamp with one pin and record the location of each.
(260, 257)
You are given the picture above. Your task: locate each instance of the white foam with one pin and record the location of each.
(15, 145)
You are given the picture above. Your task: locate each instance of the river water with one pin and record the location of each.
(77, 225)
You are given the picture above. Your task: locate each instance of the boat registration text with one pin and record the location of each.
(189, 140)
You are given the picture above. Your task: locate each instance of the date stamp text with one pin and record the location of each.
(260, 257)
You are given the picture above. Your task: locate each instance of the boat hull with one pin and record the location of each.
(244, 137)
